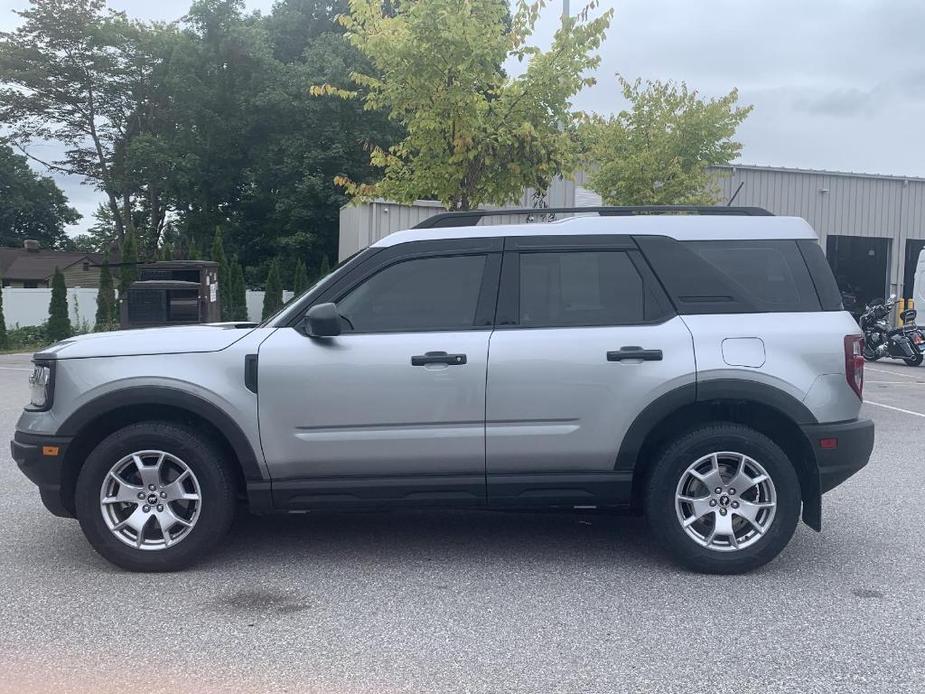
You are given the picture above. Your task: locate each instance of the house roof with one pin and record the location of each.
(23, 264)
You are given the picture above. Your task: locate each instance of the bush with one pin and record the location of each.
(28, 338)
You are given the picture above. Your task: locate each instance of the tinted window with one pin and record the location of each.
(579, 288)
(419, 294)
(732, 276)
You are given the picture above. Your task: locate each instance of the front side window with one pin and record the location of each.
(438, 293)
(580, 289)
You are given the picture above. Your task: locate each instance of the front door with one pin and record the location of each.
(393, 409)
(585, 341)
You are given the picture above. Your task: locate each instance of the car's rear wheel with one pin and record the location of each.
(724, 499)
(155, 496)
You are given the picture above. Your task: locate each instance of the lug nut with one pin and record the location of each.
(160, 507)
(163, 495)
(712, 502)
(732, 491)
(735, 504)
(145, 508)
(722, 512)
(141, 495)
(718, 490)
(152, 487)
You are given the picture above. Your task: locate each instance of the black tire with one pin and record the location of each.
(200, 454)
(915, 361)
(673, 463)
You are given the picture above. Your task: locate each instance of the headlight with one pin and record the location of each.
(41, 386)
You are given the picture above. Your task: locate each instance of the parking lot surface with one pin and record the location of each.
(480, 601)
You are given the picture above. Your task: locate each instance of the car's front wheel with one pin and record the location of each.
(724, 498)
(155, 496)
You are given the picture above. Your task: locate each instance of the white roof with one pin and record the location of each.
(680, 227)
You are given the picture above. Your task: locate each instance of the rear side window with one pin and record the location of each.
(576, 288)
(826, 286)
(761, 276)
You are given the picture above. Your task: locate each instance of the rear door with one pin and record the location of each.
(585, 341)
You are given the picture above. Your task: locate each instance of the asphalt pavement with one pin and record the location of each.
(480, 601)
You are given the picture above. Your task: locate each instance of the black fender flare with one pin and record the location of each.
(727, 390)
(169, 397)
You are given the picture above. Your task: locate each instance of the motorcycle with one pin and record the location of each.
(906, 342)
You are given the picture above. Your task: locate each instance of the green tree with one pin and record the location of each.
(273, 292)
(4, 342)
(129, 269)
(658, 150)
(474, 134)
(224, 274)
(166, 251)
(89, 78)
(325, 268)
(238, 293)
(59, 323)
(299, 278)
(31, 206)
(106, 308)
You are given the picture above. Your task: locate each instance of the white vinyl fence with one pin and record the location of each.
(24, 307)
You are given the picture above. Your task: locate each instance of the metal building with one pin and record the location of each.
(362, 225)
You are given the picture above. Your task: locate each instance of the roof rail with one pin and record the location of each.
(472, 217)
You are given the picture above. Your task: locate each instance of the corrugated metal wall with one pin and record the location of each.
(843, 204)
(362, 225)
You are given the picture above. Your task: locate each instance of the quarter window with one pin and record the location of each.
(439, 293)
(580, 288)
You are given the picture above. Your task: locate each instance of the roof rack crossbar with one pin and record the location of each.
(472, 217)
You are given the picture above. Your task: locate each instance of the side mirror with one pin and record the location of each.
(322, 320)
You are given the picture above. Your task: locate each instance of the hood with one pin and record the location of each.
(127, 343)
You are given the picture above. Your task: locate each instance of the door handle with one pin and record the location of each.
(635, 353)
(438, 358)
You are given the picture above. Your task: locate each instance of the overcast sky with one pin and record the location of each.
(836, 84)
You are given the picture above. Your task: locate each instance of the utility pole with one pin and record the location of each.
(565, 10)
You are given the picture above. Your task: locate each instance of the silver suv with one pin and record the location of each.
(696, 367)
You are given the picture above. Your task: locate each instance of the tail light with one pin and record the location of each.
(854, 363)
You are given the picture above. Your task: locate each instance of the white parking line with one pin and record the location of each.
(890, 407)
(887, 371)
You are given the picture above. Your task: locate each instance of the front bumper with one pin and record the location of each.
(41, 459)
(854, 442)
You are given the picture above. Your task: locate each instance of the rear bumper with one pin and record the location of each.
(41, 459)
(855, 441)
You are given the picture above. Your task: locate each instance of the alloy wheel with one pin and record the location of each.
(725, 501)
(150, 500)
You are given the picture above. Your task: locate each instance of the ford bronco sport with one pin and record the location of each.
(697, 367)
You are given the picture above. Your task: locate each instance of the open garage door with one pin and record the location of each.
(861, 268)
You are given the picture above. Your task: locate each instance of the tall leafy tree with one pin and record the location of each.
(75, 73)
(658, 150)
(106, 308)
(474, 133)
(273, 292)
(59, 323)
(31, 206)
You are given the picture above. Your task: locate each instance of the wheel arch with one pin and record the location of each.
(108, 413)
(766, 409)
